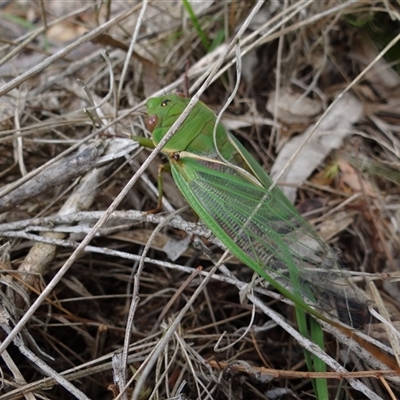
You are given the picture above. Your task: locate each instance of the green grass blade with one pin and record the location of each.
(320, 384)
(196, 24)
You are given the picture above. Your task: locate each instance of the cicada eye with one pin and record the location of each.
(165, 103)
(151, 122)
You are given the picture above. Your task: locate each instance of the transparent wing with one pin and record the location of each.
(268, 235)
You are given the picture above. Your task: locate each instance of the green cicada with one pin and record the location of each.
(231, 194)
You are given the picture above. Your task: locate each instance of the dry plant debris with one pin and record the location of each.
(83, 323)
